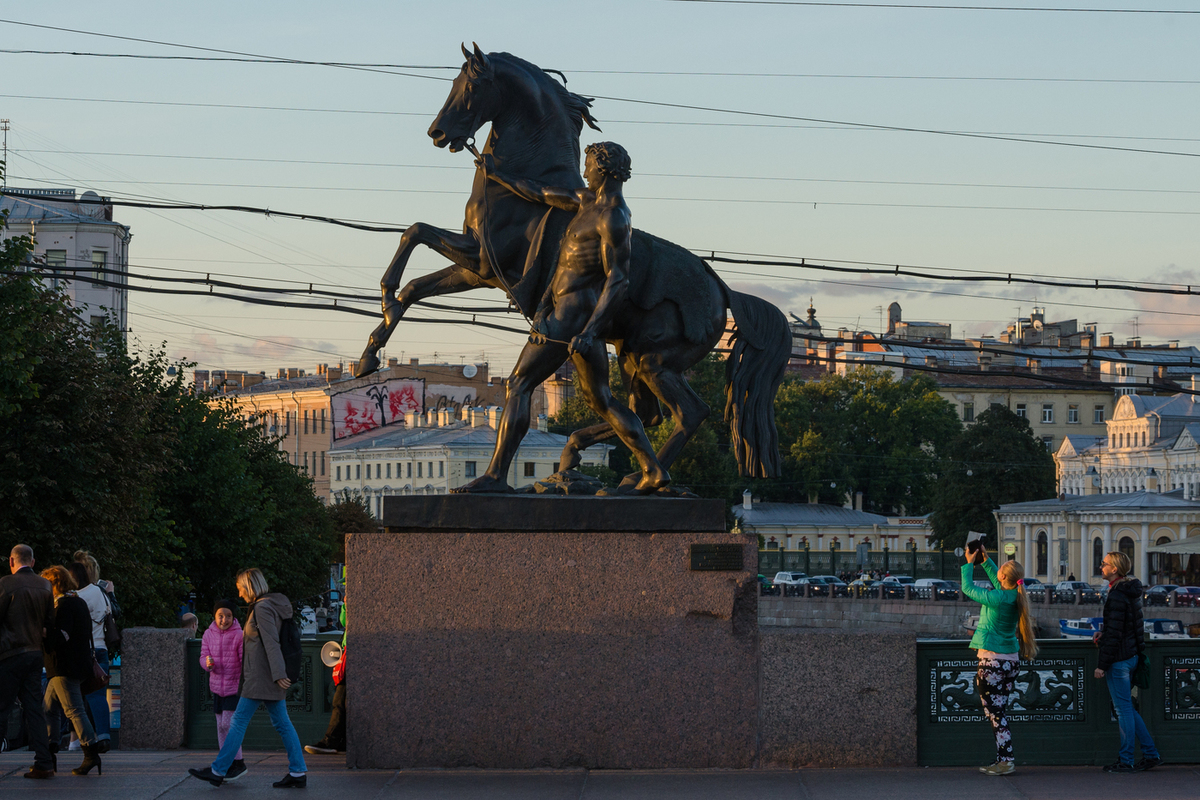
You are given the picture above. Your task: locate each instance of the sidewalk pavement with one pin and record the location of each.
(150, 775)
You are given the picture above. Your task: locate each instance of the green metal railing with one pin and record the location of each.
(1061, 714)
(309, 701)
(925, 564)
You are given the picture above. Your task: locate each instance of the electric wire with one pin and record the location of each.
(939, 7)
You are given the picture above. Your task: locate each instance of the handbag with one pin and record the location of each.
(98, 681)
(112, 634)
(1140, 677)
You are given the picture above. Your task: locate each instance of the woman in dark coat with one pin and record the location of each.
(68, 660)
(1121, 642)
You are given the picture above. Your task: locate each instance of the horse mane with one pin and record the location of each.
(578, 107)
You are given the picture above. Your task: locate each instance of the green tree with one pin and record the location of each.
(865, 432)
(101, 450)
(350, 513)
(995, 461)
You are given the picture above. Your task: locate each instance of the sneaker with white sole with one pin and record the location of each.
(318, 748)
(999, 768)
(236, 770)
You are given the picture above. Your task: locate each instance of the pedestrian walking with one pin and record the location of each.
(68, 660)
(1121, 642)
(221, 658)
(86, 572)
(264, 682)
(26, 609)
(1002, 638)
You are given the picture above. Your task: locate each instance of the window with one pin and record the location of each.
(389, 470)
(56, 259)
(995, 406)
(338, 473)
(1126, 547)
(469, 469)
(1021, 411)
(378, 471)
(409, 475)
(1073, 415)
(530, 469)
(1042, 553)
(306, 420)
(1143, 438)
(358, 472)
(431, 469)
(1098, 415)
(968, 412)
(322, 420)
(441, 469)
(419, 466)
(1047, 412)
(1049, 442)
(99, 265)
(1097, 555)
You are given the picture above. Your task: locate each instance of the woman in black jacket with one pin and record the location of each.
(68, 661)
(1121, 642)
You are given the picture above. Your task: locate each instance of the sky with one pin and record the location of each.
(790, 149)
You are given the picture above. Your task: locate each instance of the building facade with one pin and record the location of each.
(438, 452)
(794, 526)
(77, 246)
(1069, 535)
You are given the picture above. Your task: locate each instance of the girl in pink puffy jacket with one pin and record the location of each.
(221, 657)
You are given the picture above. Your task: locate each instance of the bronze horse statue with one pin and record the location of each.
(675, 311)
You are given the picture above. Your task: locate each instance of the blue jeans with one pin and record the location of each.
(241, 721)
(97, 703)
(1130, 721)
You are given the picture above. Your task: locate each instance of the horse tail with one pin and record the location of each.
(761, 346)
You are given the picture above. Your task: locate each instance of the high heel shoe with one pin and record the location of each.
(91, 758)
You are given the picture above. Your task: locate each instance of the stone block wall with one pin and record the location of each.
(153, 688)
(838, 699)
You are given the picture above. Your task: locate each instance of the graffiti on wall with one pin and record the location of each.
(376, 406)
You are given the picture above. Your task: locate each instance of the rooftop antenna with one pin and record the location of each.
(4, 127)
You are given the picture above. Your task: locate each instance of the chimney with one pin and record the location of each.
(812, 498)
(479, 417)
(931, 361)
(411, 419)
(848, 501)
(1160, 372)
(446, 417)
(493, 416)
(1091, 481)
(393, 362)
(1106, 340)
(292, 373)
(431, 418)
(1085, 342)
(333, 374)
(747, 503)
(413, 362)
(858, 501)
(1151, 480)
(1035, 366)
(543, 424)
(985, 363)
(1089, 369)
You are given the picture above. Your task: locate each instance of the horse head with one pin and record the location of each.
(472, 101)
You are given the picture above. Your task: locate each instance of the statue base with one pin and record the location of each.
(527, 632)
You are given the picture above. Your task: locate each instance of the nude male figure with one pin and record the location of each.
(589, 286)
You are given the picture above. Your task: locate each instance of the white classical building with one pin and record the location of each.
(1069, 534)
(436, 452)
(78, 245)
(1151, 441)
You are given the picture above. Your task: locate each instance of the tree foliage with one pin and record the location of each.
(101, 450)
(995, 461)
(862, 432)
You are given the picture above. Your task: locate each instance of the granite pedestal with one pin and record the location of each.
(525, 632)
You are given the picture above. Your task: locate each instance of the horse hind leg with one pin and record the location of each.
(686, 407)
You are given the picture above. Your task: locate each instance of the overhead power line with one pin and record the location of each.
(941, 7)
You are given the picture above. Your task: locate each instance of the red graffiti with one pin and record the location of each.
(401, 401)
(358, 419)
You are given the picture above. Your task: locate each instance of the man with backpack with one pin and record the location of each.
(270, 664)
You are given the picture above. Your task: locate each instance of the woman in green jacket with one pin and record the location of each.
(1003, 636)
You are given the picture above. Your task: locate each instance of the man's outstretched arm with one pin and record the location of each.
(533, 191)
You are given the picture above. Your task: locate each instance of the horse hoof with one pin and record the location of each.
(366, 365)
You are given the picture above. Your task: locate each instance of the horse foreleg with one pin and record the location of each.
(461, 248)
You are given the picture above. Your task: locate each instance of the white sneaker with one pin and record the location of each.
(74, 745)
(999, 768)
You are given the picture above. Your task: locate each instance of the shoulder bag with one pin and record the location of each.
(112, 634)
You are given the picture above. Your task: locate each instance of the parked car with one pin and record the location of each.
(1064, 592)
(766, 587)
(1188, 596)
(837, 586)
(816, 587)
(900, 579)
(863, 587)
(1159, 595)
(937, 588)
(789, 582)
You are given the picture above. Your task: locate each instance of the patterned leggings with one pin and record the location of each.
(994, 684)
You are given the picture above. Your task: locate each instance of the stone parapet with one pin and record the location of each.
(838, 699)
(153, 688)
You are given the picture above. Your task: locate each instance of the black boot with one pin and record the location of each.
(91, 758)
(54, 756)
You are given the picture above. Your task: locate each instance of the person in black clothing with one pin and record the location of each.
(26, 608)
(68, 663)
(1121, 643)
